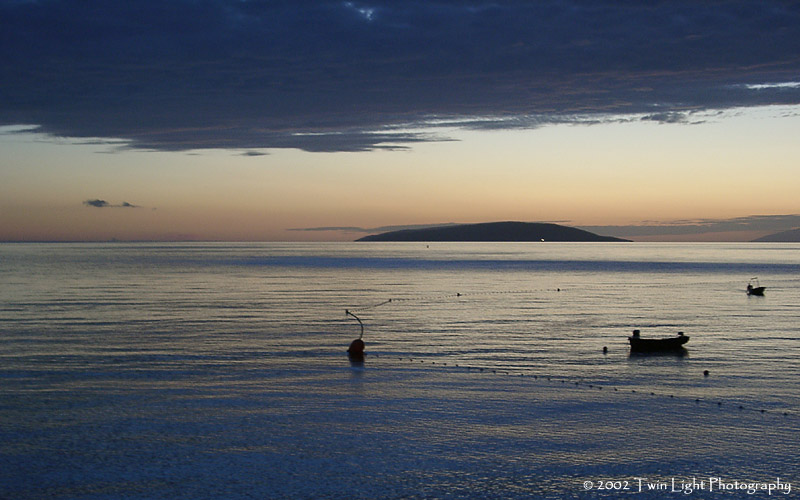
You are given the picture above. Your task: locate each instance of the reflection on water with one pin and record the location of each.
(671, 353)
(221, 371)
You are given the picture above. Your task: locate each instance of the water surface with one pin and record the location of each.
(218, 370)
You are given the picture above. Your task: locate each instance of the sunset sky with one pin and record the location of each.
(245, 120)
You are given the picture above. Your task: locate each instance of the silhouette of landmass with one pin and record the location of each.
(791, 236)
(492, 231)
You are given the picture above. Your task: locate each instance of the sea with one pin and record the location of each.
(492, 370)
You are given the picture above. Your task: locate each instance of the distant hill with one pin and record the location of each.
(492, 231)
(792, 236)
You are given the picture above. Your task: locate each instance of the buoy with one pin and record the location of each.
(705, 373)
(356, 350)
(605, 350)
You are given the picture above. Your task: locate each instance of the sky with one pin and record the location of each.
(247, 120)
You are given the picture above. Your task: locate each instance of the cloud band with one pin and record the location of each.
(359, 76)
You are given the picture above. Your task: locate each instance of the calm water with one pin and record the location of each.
(218, 370)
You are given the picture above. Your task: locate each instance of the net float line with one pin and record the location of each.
(719, 403)
(447, 296)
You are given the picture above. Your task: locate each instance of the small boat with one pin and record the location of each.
(754, 288)
(638, 344)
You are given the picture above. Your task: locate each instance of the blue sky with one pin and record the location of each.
(288, 93)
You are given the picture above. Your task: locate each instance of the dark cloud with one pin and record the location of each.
(355, 76)
(105, 204)
(97, 203)
(753, 223)
(369, 230)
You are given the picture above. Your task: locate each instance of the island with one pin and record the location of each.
(791, 236)
(492, 231)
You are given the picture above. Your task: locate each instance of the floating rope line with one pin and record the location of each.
(448, 296)
(368, 307)
(581, 383)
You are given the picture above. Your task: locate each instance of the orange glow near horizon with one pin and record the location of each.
(612, 174)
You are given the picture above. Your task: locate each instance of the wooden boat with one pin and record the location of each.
(754, 288)
(638, 344)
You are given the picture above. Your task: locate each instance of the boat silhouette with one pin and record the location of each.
(754, 287)
(666, 344)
